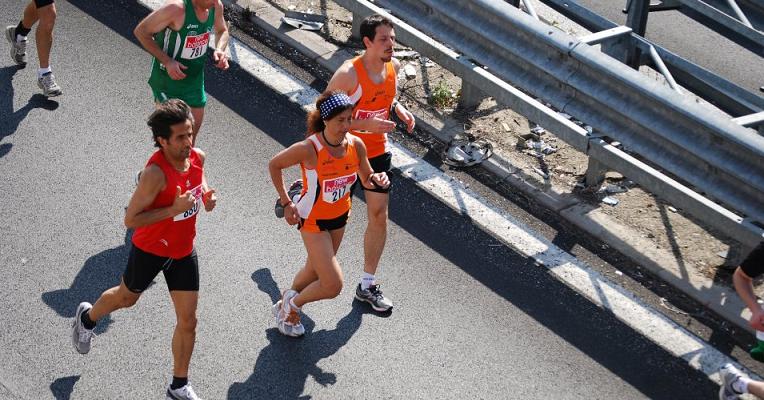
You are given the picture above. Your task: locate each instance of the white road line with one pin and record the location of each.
(598, 289)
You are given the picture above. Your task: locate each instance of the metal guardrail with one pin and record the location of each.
(717, 90)
(697, 144)
(741, 21)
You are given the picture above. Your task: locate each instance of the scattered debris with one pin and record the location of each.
(405, 54)
(723, 254)
(543, 174)
(537, 130)
(306, 21)
(672, 209)
(616, 176)
(426, 62)
(505, 126)
(650, 235)
(673, 308)
(522, 139)
(409, 71)
(23, 261)
(465, 153)
(613, 189)
(540, 147)
(619, 273)
(612, 201)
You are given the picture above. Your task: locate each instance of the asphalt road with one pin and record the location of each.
(692, 40)
(473, 319)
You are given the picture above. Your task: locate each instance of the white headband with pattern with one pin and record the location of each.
(334, 101)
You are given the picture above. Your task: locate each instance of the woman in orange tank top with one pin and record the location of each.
(332, 160)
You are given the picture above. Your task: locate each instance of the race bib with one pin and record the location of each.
(197, 192)
(195, 46)
(335, 189)
(366, 114)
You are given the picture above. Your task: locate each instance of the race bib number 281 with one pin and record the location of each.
(195, 46)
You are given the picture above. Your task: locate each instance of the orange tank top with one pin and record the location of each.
(373, 100)
(326, 188)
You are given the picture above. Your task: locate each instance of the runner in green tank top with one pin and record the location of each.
(178, 35)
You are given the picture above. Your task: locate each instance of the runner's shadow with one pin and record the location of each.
(11, 119)
(62, 387)
(285, 363)
(100, 272)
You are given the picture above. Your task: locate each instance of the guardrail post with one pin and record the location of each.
(736, 253)
(637, 21)
(470, 96)
(619, 48)
(595, 173)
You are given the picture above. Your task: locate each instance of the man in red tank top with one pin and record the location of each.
(162, 211)
(371, 82)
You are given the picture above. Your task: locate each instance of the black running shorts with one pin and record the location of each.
(42, 3)
(143, 267)
(318, 225)
(382, 163)
(753, 265)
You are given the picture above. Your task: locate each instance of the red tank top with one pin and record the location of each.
(373, 100)
(172, 237)
(326, 188)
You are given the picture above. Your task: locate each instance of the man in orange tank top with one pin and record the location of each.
(371, 82)
(171, 191)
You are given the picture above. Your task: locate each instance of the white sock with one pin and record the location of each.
(20, 38)
(43, 71)
(740, 385)
(366, 280)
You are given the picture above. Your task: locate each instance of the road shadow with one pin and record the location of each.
(100, 272)
(284, 365)
(62, 387)
(535, 291)
(11, 119)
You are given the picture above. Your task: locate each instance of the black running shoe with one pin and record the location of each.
(294, 190)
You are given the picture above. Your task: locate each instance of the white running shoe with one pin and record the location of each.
(182, 393)
(18, 49)
(729, 374)
(373, 295)
(287, 319)
(47, 82)
(81, 336)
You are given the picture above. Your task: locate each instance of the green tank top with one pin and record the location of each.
(187, 46)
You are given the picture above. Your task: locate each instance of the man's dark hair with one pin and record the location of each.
(166, 115)
(369, 25)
